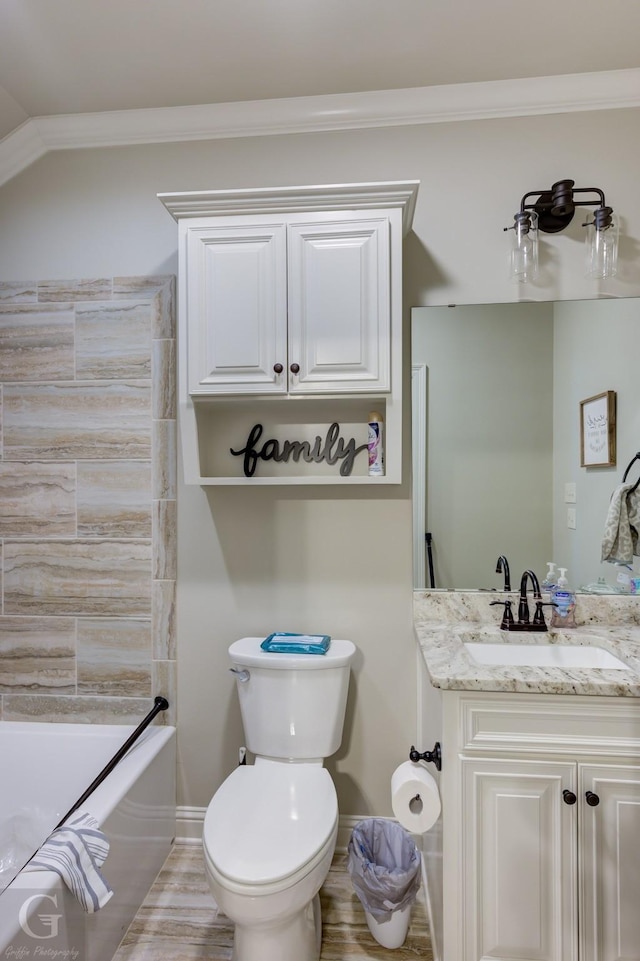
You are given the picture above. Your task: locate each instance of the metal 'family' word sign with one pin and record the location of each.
(332, 448)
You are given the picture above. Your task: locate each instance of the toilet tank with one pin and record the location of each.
(292, 705)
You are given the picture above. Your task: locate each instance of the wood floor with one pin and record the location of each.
(179, 920)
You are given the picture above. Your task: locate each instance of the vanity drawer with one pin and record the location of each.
(547, 724)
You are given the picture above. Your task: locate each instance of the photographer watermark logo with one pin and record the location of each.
(47, 924)
(42, 933)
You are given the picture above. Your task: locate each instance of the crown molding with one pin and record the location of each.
(606, 90)
(399, 194)
(22, 147)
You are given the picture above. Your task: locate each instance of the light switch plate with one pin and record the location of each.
(571, 518)
(570, 493)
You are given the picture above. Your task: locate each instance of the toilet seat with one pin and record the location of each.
(268, 822)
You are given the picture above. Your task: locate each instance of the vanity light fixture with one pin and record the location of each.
(551, 211)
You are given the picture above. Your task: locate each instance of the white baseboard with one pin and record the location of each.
(190, 821)
(346, 824)
(189, 824)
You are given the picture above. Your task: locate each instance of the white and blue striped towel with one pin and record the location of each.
(76, 851)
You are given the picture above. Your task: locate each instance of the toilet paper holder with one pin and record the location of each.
(434, 757)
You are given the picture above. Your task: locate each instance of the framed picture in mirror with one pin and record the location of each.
(598, 430)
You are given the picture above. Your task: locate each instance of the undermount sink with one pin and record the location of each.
(544, 655)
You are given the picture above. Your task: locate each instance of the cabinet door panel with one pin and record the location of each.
(519, 861)
(237, 309)
(610, 853)
(339, 306)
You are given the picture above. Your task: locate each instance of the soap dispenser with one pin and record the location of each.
(550, 578)
(564, 603)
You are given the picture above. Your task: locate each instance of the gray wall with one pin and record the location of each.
(249, 561)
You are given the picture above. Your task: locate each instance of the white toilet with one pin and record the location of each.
(270, 829)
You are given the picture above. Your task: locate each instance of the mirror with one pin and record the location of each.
(496, 421)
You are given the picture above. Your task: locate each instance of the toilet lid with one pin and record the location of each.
(267, 821)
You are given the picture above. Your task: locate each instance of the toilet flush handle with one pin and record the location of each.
(241, 674)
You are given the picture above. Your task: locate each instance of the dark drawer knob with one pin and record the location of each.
(592, 799)
(295, 368)
(569, 797)
(278, 368)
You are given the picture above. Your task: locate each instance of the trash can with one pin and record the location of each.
(384, 864)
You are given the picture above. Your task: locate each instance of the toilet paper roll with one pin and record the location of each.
(415, 798)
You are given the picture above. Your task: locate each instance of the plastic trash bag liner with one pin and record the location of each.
(384, 864)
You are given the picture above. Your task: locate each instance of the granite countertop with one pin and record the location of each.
(444, 620)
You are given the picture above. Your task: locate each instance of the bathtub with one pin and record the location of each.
(134, 806)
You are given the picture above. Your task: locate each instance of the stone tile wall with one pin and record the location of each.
(87, 499)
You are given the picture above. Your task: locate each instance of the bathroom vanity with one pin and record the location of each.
(540, 784)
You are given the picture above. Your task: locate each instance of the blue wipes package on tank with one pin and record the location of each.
(283, 642)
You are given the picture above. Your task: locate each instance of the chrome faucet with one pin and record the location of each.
(503, 565)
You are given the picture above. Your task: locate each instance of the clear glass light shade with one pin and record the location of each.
(602, 250)
(523, 259)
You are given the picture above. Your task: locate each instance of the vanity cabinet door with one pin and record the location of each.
(518, 860)
(610, 855)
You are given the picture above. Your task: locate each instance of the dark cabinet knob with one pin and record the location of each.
(569, 797)
(278, 368)
(592, 799)
(295, 368)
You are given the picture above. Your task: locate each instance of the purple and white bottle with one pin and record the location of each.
(375, 444)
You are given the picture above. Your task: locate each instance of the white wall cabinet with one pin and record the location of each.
(286, 294)
(297, 307)
(541, 835)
